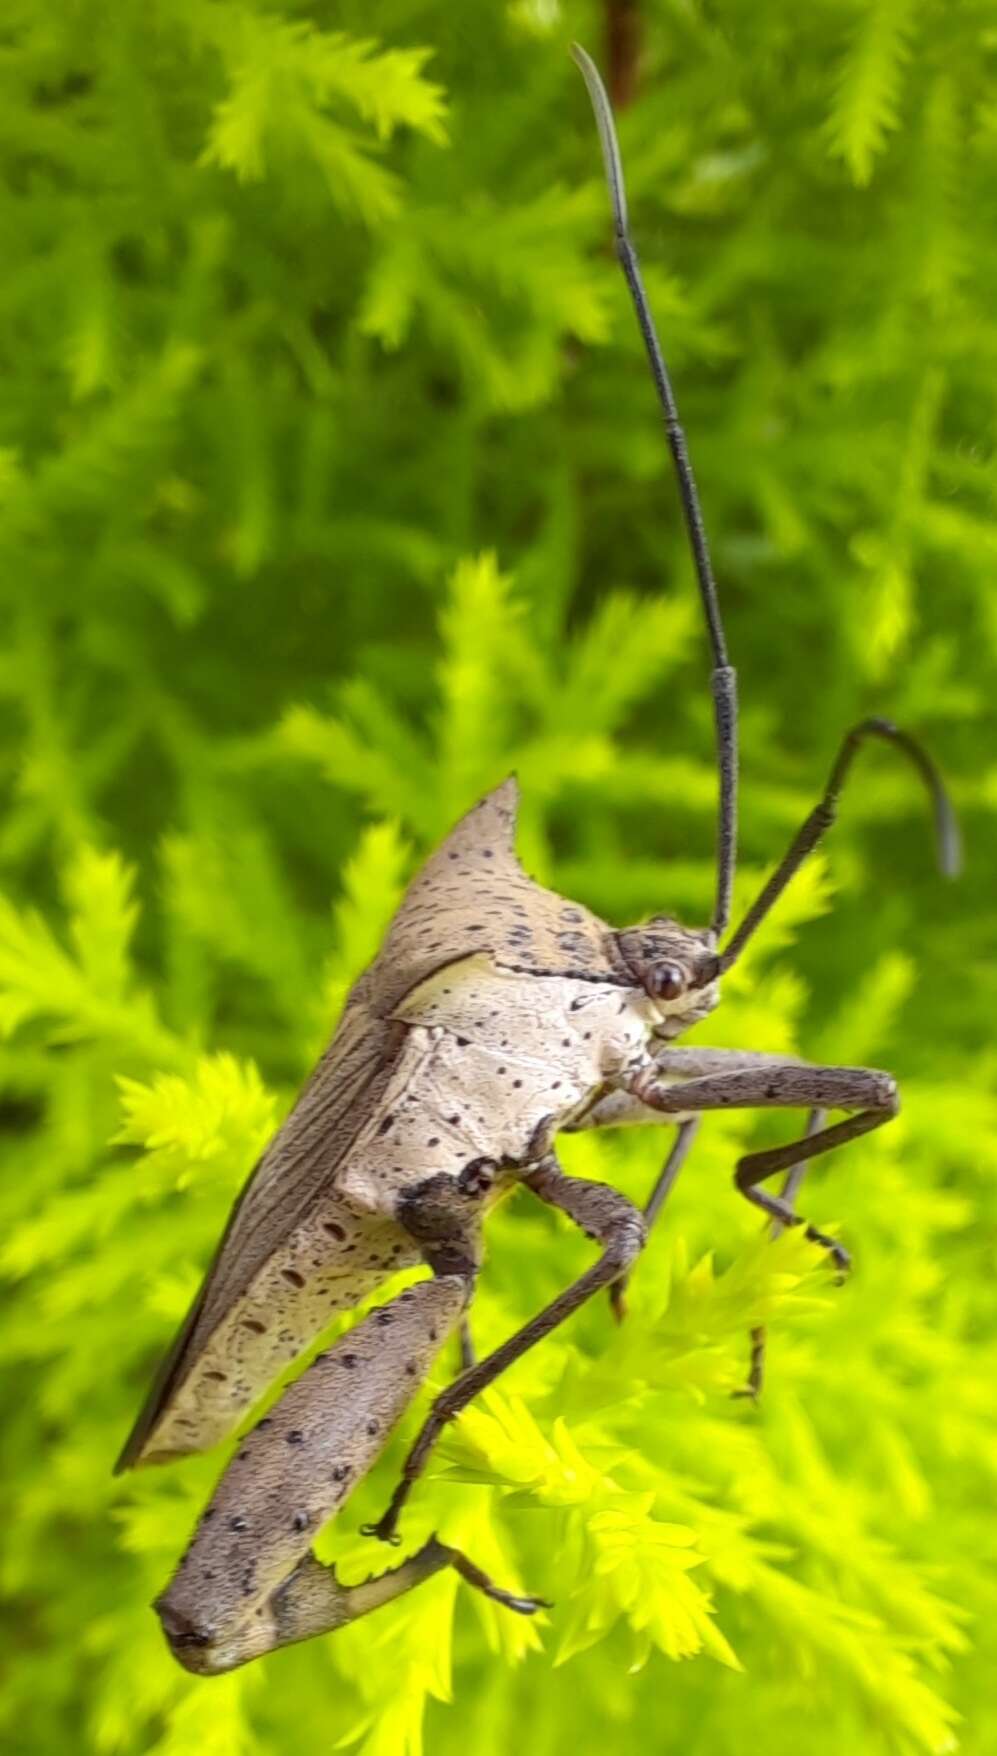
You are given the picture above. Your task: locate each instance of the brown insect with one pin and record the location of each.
(496, 1015)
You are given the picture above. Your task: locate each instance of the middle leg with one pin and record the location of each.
(664, 1184)
(759, 1338)
(603, 1213)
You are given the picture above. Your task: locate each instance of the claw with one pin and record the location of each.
(473, 1575)
(618, 1300)
(526, 1606)
(745, 1393)
(837, 1252)
(383, 1530)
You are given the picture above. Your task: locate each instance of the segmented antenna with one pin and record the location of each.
(723, 682)
(947, 838)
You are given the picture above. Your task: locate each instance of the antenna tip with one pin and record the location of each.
(592, 77)
(949, 845)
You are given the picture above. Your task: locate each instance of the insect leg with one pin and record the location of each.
(781, 1085)
(664, 1184)
(604, 1214)
(617, 1109)
(467, 1353)
(249, 1582)
(815, 826)
(314, 1602)
(622, 1108)
(790, 1189)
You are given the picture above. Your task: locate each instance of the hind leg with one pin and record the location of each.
(249, 1582)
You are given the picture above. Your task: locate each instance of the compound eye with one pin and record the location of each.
(665, 981)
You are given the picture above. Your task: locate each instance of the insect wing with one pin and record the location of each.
(298, 1165)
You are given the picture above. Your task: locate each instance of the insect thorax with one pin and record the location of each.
(492, 1059)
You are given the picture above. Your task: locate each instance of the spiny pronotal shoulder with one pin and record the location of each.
(472, 895)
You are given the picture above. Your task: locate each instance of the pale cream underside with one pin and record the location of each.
(489, 1056)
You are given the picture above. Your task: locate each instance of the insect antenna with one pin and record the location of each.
(822, 816)
(723, 682)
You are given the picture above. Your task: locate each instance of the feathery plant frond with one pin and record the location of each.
(283, 77)
(332, 489)
(868, 86)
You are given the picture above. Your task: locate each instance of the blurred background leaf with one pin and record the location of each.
(332, 488)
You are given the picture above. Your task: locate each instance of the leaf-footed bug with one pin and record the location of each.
(495, 1015)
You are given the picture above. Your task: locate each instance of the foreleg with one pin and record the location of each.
(784, 1085)
(617, 1109)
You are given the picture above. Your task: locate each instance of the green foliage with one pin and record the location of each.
(332, 488)
(865, 102)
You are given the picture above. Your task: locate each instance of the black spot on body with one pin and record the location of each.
(295, 1436)
(253, 1324)
(238, 1523)
(300, 1521)
(349, 1361)
(292, 1275)
(334, 1230)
